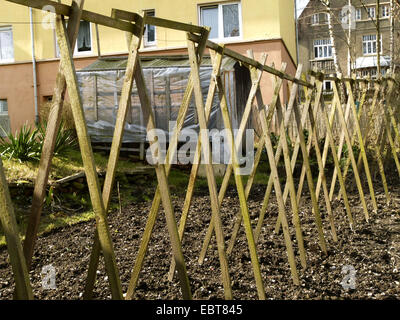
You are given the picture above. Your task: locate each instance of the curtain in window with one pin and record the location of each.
(209, 17)
(6, 45)
(231, 20)
(84, 40)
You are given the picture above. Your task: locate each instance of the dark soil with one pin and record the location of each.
(373, 249)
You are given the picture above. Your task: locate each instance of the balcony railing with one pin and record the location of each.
(325, 65)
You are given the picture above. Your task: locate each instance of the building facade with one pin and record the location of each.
(28, 46)
(356, 27)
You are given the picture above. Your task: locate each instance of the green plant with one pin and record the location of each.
(65, 140)
(26, 144)
(23, 146)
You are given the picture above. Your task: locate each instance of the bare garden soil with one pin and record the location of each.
(373, 249)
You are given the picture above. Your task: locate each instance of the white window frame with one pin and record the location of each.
(369, 11)
(315, 19)
(371, 41)
(323, 43)
(8, 29)
(385, 11)
(358, 14)
(221, 37)
(146, 42)
(76, 52)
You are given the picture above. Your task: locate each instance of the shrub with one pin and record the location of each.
(65, 140)
(26, 144)
(22, 146)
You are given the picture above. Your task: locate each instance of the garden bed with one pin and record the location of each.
(372, 249)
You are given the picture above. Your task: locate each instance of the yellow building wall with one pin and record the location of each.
(261, 19)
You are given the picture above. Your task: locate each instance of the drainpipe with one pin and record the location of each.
(297, 32)
(35, 86)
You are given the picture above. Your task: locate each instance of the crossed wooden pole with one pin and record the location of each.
(347, 116)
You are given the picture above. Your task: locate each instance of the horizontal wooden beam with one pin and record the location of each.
(65, 10)
(159, 22)
(251, 62)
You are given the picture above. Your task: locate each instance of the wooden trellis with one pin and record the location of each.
(345, 115)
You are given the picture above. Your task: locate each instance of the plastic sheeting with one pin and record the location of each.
(101, 91)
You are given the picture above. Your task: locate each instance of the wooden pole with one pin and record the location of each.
(88, 159)
(53, 125)
(212, 185)
(170, 154)
(10, 229)
(123, 109)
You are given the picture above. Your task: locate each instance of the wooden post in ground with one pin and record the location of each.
(123, 110)
(163, 188)
(351, 154)
(288, 165)
(53, 125)
(278, 154)
(196, 162)
(88, 159)
(260, 103)
(238, 179)
(170, 155)
(23, 290)
(340, 147)
(212, 185)
(307, 169)
(265, 121)
(362, 148)
(229, 170)
(331, 142)
(295, 152)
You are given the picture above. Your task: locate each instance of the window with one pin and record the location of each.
(315, 19)
(47, 98)
(150, 31)
(6, 45)
(3, 107)
(83, 41)
(223, 19)
(371, 12)
(385, 11)
(322, 49)
(325, 19)
(358, 14)
(369, 44)
(370, 72)
(4, 118)
(327, 85)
